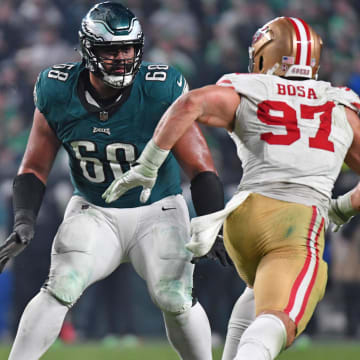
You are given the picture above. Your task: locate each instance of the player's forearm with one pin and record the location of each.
(176, 120)
(41, 175)
(28, 193)
(355, 198)
(344, 207)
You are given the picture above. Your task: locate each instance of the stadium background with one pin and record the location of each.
(204, 39)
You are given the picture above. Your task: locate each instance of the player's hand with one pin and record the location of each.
(337, 217)
(217, 252)
(15, 243)
(138, 175)
(143, 173)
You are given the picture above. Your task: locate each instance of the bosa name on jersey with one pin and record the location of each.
(298, 90)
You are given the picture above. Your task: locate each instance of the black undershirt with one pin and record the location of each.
(103, 102)
(108, 105)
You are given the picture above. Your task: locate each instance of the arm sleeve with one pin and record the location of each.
(207, 193)
(28, 193)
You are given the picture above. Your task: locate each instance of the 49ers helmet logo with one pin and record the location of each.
(259, 34)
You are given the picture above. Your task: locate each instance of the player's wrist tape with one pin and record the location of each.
(28, 192)
(152, 158)
(207, 193)
(343, 208)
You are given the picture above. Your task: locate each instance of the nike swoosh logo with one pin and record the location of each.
(179, 82)
(169, 208)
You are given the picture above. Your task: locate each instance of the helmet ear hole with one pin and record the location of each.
(261, 62)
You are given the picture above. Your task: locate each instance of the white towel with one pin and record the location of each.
(204, 229)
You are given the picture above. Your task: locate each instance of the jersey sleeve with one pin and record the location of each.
(249, 85)
(163, 82)
(347, 97)
(46, 98)
(178, 84)
(39, 99)
(43, 98)
(53, 91)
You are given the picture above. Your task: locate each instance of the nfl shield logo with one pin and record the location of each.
(104, 115)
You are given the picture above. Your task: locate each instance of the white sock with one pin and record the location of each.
(189, 333)
(263, 340)
(242, 316)
(39, 327)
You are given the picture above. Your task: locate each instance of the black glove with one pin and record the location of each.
(15, 243)
(28, 192)
(217, 252)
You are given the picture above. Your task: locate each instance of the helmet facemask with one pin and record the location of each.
(111, 25)
(107, 68)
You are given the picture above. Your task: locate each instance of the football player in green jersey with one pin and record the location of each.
(103, 111)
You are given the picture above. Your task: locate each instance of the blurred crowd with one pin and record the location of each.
(204, 39)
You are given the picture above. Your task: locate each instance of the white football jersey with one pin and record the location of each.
(290, 131)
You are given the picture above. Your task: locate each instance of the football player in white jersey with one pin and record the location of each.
(292, 134)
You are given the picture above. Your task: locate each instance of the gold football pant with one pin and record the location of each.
(277, 248)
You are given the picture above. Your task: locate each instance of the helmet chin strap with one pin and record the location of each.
(273, 69)
(118, 82)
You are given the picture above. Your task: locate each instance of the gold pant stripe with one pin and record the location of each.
(304, 283)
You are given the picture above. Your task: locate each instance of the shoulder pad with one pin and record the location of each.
(162, 81)
(249, 85)
(346, 97)
(55, 85)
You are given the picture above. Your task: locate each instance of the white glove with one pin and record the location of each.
(143, 174)
(341, 211)
(132, 178)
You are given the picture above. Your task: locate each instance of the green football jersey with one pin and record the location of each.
(102, 144)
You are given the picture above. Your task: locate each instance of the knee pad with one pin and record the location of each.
(66, 287)
(172, 296)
